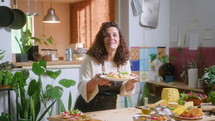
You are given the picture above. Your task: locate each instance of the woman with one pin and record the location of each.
(108, 53)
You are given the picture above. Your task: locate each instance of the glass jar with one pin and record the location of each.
(54, 54)
(46, 54)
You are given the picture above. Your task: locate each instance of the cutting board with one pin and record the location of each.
(123, 114)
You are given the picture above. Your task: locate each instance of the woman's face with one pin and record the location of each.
(112, 39)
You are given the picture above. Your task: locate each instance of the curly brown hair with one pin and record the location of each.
(98, 50)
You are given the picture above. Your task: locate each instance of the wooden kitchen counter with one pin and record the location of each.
(50, 64)
(122, 114)
(63, 62)
(176, 84)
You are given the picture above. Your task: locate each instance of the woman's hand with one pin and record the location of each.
(96, 80)
(100, 81)
(130, 84)
(136, 79)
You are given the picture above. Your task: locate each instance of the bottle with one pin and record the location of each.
(69, 54)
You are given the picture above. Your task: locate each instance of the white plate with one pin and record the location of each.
(116, 79)
(188, 118)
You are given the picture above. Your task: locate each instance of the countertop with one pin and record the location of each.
(122, 114)
(50, 64)
(176, 84)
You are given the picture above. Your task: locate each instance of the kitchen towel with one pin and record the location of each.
(193, 77)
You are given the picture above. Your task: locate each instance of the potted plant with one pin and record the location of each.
(5, 72)
(5, 117)
(27, 42)
(211, 97)
(166, 70)
(35, 97)
(208, 79)
(197, 98)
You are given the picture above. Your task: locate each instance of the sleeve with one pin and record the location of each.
(86, 74)
(123, 92)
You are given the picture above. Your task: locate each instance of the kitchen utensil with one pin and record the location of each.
(28, 13)
(69, 54)
(19, 18)
(149, 17)
(6, 16)
(136, 7)
(35, 8)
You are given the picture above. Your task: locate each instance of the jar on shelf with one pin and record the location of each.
(54, 54)
(46, 53)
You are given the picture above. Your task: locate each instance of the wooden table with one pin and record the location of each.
(123, 114)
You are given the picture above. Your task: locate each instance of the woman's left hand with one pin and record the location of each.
(136, 79)
(130, 84)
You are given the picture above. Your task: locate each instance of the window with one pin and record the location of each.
(17, 33)
(87, 17)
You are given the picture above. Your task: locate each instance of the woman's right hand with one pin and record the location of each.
(100, 81)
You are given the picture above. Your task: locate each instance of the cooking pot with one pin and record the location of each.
(19, 18)
(6, 16)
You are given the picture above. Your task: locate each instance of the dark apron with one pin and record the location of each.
(104, 100)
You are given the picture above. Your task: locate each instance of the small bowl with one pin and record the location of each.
(141, 118)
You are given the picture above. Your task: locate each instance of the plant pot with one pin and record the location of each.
(165, 70)
(22, 57)
(168, 79)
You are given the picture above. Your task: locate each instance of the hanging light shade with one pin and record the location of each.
(51, 17)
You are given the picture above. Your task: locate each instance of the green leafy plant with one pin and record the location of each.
(5, 117)
(209, 76)
(166, 69)
(163, 59)
(5, 71)
(36, 96)
(1, 54)
(6, 74)
(27, 40)
(211, 97)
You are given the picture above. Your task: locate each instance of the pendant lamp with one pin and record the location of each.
(51, 17)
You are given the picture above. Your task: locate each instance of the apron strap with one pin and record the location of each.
(103, 68)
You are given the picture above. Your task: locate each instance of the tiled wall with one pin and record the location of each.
(140, 61)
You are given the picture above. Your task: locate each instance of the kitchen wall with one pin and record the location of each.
(173, 13)
(60, 31)
(182, 15)
(193, 16)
